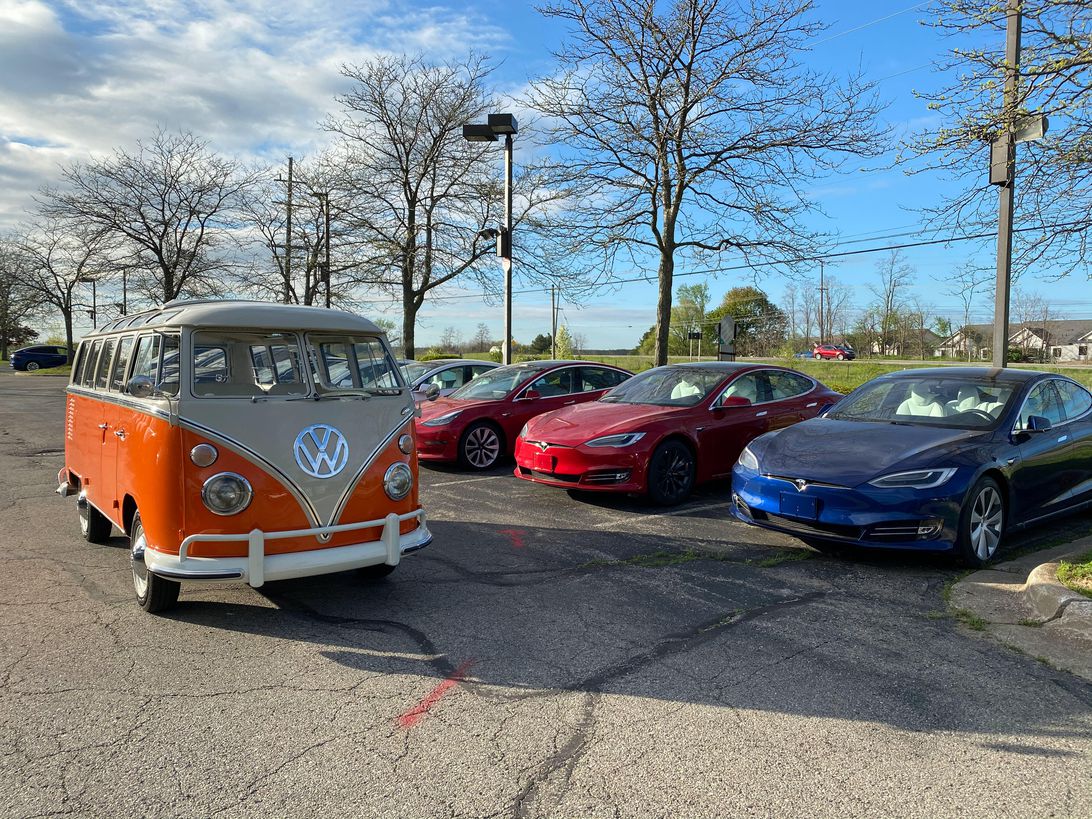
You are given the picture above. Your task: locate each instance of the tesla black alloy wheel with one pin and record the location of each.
(671, 473)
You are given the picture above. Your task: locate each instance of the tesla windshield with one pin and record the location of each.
(498, 383)
(943, 401)
(667, 387)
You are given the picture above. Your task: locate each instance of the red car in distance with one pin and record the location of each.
(478, 423)
(666, 429)
(835, 351)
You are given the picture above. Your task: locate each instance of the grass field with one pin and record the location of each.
(843, 376)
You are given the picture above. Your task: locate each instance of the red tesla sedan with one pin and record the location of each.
(478, 423)
(665, 430)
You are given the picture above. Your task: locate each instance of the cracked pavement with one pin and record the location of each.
(554, 674)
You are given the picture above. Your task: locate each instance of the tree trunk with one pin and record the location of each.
(410, 307)
(68, 332)
(663, 306)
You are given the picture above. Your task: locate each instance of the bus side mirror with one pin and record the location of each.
(432, 391)
(140, 386)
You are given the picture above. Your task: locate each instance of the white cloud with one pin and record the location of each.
(85, 76)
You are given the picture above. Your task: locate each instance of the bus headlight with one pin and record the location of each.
(226, 493)
(398, 481)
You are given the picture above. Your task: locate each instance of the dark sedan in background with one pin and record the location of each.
(38, 357)
(445, 374)
(934, 459)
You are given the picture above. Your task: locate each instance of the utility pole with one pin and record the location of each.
(288, 237)
(1003, 174)
(553, 321)
(326, 266)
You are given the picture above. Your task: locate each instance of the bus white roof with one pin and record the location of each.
(256, 315)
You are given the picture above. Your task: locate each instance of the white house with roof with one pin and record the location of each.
(1061, 340)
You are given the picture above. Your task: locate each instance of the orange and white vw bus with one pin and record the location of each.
(245, 441)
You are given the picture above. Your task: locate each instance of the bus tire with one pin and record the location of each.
(153, 592)
(94, 525)
(373, 574)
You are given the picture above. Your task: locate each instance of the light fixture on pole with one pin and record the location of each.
(501, 125)
(93, 281)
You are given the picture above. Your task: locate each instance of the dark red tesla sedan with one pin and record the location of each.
(478, 423)
(667, 429)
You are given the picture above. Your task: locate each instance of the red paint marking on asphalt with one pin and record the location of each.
(516, 536)
(417, 713)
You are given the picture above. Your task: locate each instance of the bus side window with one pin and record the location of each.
(168, 369)
(102, 371)
(88, 379)
(81, 363)
(121, 364)
(146, 359)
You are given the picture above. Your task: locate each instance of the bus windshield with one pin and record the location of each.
(241, 364)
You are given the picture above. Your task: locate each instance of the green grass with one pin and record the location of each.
(783, 556)
(64, 369)
(960, 615)
(1076, 573)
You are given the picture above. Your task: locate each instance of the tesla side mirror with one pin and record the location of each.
(1037, 423)
(734, 401)
(432, 391)
(531, 394)
(140, 386)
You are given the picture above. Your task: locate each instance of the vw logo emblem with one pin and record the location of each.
(321, 451)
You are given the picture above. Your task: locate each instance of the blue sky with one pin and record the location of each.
(83, 76)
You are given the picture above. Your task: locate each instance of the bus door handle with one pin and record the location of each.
(120, 433)
(104, 426)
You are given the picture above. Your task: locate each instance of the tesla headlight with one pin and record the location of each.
(226, 493)
(442, 420)
(398, 481)
(523, 432)
(915, 479)
(617, 441)
(747, 459)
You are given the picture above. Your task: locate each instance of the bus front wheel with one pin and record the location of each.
(153, 592)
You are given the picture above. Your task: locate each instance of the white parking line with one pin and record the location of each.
(646, 518)
(464, 480)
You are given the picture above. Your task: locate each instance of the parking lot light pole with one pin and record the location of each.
(501, 125)
(324, 201)
(93, 281)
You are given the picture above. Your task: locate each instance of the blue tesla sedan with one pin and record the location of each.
(945, 459)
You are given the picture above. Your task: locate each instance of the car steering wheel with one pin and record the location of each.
(983, 413)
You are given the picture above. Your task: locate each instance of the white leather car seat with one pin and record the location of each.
(921, 403)
(744, 387)
(966, 399)
(684, 388)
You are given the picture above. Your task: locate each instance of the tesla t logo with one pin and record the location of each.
(801, 484)
(543, 445)
(321, 451)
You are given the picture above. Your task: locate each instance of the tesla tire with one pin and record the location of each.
(94, 525)
(841, 357)
(153, 592)
(981, 524)
(32, 366)
(671, 473)
(480, 446)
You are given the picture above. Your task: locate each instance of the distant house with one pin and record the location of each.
(1061, 340)
(915, 340)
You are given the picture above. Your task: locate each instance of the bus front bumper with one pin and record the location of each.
(258, 567)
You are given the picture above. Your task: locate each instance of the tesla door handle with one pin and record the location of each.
(569, 402)
(1062, 439)
(120, 433)
(760, 414)
(812, 404)
(505, 414)
(104, 426)
(1010, 461)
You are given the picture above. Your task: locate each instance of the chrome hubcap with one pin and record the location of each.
(482, 447)
(136, 557)
(987, 517)
(674, 476)
(84, 510)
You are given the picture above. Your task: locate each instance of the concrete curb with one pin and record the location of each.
(1045, 593)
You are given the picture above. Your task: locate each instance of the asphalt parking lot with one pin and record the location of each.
(546, 656)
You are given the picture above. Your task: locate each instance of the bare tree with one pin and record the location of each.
(425, 192)
(895, 278)
(481, 339)
(1053, 206)
(451, 340)
(17, 301)
(61, 259)
(691, 129)
(167, 208)
(836, 306)
(966, 283)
